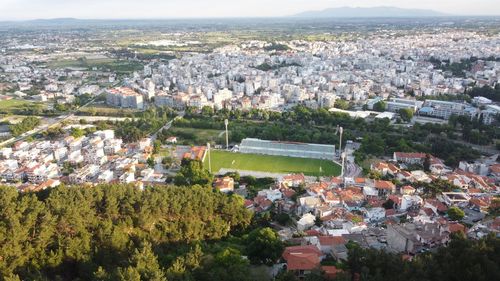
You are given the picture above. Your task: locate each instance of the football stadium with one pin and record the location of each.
(277, 157)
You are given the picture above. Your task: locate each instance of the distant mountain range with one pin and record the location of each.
(370, 12)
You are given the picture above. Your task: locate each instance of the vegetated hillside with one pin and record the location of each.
(370, 12)
(109, 232)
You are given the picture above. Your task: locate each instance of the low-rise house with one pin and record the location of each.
(127, 177)
(225, 184)
(327, 243)
(384, 187)
(105, 177)
(409, 202)
(302, 260)
(172, 140)
(407, 190)
(306, 222)
(308, 204)
(385, 168)
(331, 198)
(271, 194)
(294, 180)
(454, 198)
(414, 237)
(374, 214)
(409, 158)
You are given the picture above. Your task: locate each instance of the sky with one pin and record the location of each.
(160, 9)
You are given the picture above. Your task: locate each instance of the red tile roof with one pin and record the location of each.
(456, 227)
(302, 257)
(384, 185)
(331, 240)
(409, 155)
(330, 271)
(294, 177)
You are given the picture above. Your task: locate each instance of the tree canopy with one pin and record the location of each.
(108, 232)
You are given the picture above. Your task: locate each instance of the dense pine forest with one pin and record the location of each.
(111, 232)
(119, 232)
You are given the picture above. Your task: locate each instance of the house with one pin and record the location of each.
(294, 180)
(106, 176)
(308, 204)
(420, 176)
(374, 214)
(249, 204)
(225, 184)
(478, 204)
(330, 271)
(407, 190)
(328, 242)
(262, 203)
(411, 202)
(401, 239)
(409, 158)
(196, 153)
(271, 194)
(384, 187)
(436, 206)
(404, 176)
(330, 198)
(172, 140)
(385, 168)
(127, 177)
(306, 221)
(317, 188)
(454, 198)
(302, 260)
(340, 252)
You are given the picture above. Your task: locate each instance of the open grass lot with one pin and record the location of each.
(8, 104)
(104, 64)
(272, 164)
(14, 105)
(104, 110)
(197, 136)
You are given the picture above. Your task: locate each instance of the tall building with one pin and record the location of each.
(124, 97)
(444, 109)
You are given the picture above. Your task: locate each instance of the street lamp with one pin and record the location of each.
(226, 122)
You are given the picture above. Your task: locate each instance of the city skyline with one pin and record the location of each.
(155, 9)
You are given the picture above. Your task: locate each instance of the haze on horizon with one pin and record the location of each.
(164, 9)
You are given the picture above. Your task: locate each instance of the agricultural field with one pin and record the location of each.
(273, 164)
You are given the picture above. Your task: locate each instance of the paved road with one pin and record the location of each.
(258, 174)
(351, 170)
(37, 130)
(97, 118)
(168, 125)
(43, 127)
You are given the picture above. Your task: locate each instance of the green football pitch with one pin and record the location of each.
(272, 164)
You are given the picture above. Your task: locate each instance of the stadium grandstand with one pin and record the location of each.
(291, 149)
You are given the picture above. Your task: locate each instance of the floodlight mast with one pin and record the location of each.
(226, 122)
(209, 159)
(341, 131)
(343, 163)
